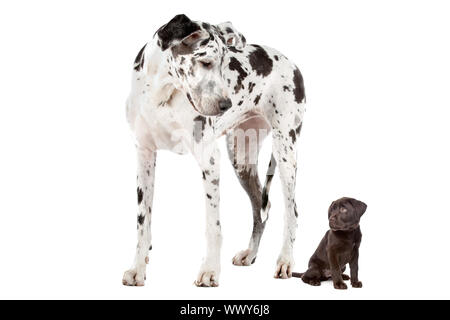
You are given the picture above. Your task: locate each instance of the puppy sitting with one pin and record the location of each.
(339, 246)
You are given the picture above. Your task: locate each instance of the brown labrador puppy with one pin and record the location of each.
(339, 246)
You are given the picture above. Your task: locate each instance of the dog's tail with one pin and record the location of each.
(297, 274)
(265, 195)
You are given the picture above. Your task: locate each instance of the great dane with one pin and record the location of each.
(192, 83)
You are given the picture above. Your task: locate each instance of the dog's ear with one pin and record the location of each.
(179, 28)
(232, 36)
(359, 206)
(331, 208)
(195, 37)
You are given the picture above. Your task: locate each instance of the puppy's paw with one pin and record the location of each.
(134, 277)
(312, 282)
(357, 284)
(244, 258)
(345, 277)
(284, 268)
(207, 279)
(340, 286)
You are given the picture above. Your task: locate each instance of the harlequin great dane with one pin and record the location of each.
(193, 83)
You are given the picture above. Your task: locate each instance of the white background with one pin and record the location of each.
(376, 128)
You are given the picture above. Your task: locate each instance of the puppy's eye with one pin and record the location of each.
(206, 64)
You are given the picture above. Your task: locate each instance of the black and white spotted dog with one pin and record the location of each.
(193, 83)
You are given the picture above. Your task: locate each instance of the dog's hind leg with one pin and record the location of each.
(312, 276)
(243, 144)
(145, 185)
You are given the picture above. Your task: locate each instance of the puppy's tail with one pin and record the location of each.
(297, 274)
(265, 195)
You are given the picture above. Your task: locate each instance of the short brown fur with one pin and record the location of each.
(339, 246)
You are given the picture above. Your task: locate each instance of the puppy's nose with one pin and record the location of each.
(225, 104)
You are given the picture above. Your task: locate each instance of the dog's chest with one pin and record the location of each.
(160, 128)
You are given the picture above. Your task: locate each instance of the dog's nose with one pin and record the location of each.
(225, 104)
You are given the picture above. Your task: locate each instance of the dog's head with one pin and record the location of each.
(195, 53)
(344, 214)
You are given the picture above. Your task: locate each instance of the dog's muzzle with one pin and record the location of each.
(225, 104)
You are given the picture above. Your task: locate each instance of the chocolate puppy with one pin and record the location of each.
(339, 246)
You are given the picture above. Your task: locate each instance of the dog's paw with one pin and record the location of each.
(312, 282)
(207, 279)
(244, 258)
(134, 277)
(357, 284)
(345, 277)
(284, 268)
(340, 286)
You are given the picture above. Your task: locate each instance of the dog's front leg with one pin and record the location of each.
(354, 268)
(145, 185)
(210, 269)
(336, 271)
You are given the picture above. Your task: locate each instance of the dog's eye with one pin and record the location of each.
(206, 64)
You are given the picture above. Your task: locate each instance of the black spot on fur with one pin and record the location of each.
(299, 128)
(203, 175)
(139, 61)
(218, 223)
(235, 65)
(293, 135)
(260, 61)
(276, 57)
(254, 259)
(204, 42)
(141, 219)
(208, 196)
(140, 195)
(150, 249)
(258, 97)
(295, 211)
(233, 49)
(251, 86)
(286, 88)
(200, 123)
(265, 199)
(178, 28)
(299, 87)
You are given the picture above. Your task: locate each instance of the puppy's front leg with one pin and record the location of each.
(336, 271)
(210, 269)
(354, 268)
(145, 185)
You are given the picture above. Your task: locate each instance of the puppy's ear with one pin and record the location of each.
(179, 28)
(359, 206)
(331, 208)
